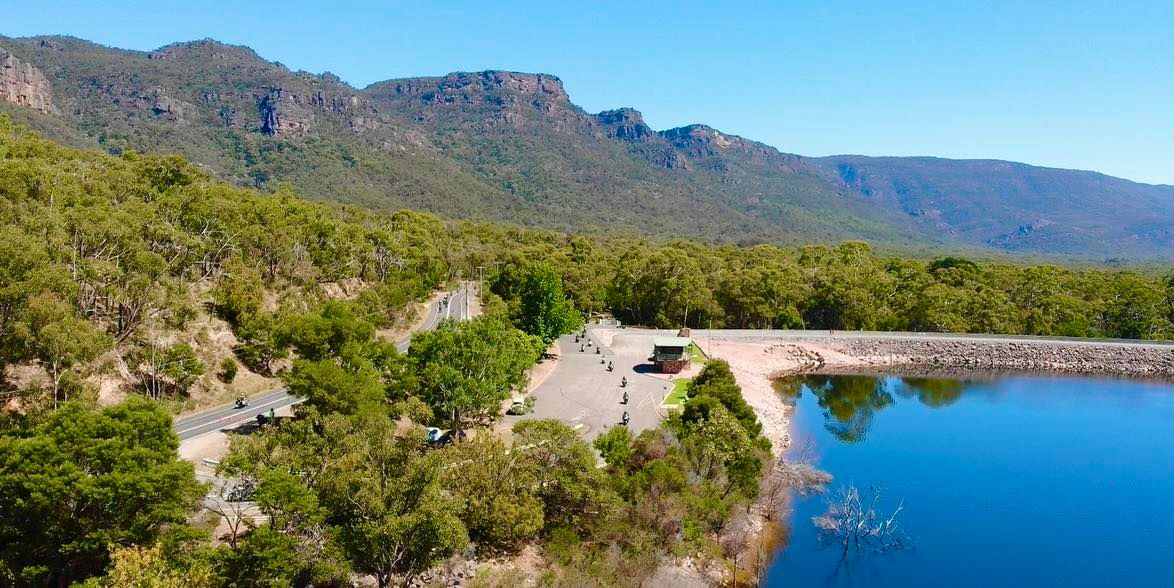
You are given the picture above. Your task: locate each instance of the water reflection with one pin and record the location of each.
(1008, 480)
(932, 392)
(850, 403)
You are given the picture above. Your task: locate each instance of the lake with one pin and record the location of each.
(1009, 481)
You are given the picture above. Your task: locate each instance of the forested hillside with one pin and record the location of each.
(1016, 207)
(132, 266)
(109, 267)
(513, 147)
(130, 285)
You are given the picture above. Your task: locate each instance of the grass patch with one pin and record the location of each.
(695, 353)
(676, 397)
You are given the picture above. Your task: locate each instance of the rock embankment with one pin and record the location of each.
(1028, 355)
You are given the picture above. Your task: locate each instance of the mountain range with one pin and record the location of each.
(508, 146)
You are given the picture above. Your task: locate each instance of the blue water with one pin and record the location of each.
(1011, 482)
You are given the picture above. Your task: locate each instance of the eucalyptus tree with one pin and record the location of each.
(466, 369)
(84, 480)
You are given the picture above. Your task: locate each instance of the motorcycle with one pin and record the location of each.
(242, 402)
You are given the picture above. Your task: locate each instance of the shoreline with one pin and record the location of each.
(758, 358)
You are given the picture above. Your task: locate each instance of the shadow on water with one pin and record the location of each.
(850, 402)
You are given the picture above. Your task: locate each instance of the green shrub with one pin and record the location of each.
(228, 369)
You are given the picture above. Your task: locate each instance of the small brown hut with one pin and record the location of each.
(671, 354)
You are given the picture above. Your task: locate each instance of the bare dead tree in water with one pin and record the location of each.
(796, 472)
(853, 523)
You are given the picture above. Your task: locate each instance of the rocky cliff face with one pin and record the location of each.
(23, 84)
(284, 114)
(509, 97)
(701, 141)
(513, 146)
(625, 124)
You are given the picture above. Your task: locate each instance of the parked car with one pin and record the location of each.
(440, 437)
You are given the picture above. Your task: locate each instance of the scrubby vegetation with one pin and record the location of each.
(129, 254)
(117, 258)
(116, 268)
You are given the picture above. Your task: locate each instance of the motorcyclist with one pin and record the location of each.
(242, 401)
(625, 396)
(609, 366)
(624, 382)
(625, 419)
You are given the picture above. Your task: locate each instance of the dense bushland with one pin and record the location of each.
(105, 263)
(845, 287)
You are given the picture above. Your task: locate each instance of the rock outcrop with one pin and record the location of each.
(625, 124)
(704, 142)
(510, 97)
(284, 114)
(154, 99)
(23, 84)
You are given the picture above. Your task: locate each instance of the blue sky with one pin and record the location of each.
(1080, 83)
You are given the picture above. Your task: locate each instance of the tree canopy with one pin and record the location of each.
(466, 369)
(84, 480)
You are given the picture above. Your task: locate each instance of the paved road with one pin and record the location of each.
(456, 308)
(226, 416)
(214, 419)
(580, 390)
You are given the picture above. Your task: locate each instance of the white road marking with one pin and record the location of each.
(287, 400)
